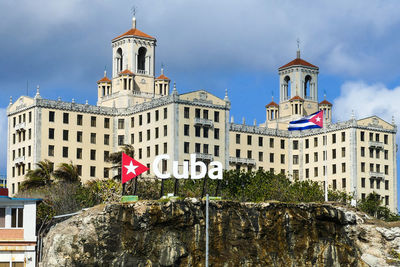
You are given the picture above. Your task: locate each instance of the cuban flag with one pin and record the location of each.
(314, 120)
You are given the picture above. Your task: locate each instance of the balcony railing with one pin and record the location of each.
(19, 160)
(236, 160)
(20, 126)
(142, 71)
(377, 145)
(204, 156)
(203, 122)
(377, 175)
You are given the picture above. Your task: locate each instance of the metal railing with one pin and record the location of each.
(19, 160)
(141, 71)
(204, 156)
(20, 126)
(236, 160)
(377, 175)
(203, 122)
(375, 144)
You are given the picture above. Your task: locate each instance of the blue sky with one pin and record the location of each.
(64, 47)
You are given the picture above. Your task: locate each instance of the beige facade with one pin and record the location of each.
(135, 107)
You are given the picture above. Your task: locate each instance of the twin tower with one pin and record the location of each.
(133, 81)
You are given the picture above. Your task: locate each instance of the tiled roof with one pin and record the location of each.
(134, 32)
(325, 102)
(104, 80)
(296, 98)
(126, 72)
(272, 104)
(298, 62)
(162, 77)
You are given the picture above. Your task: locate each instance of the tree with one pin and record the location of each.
(67, 172)
(41, 176)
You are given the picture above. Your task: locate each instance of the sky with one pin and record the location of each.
(65, 45)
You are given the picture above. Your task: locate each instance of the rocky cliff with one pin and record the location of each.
(155, 233)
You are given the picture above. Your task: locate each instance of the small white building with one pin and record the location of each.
(17, 231)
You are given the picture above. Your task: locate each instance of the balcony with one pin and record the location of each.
(203, 156)
(20, 126)
(374, 144)
(19, 160)
(142, 72)
(377, 175)
(245, 161)
(203, 122)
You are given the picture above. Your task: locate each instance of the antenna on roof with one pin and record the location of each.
(133, 10)
(162, 68)
(298, 47)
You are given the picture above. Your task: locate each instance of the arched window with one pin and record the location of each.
(142, 60)
(286, 87)
(119, 59)
(307, 82)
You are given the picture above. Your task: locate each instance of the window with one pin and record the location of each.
(2, 217)
(363, 182)
(315, 171)
(371, 136)
(377, 137)
(386, 185)
(120, 140)
(307, 144)
(249, 139)
(92, 154)
(307, 158)
(205, 114)
(165, 130)
(65, 152)
(377, 154)
(216, 133)
(296, 159)
(333, 168)
(249, 154)
(197, 148)
(197, 113)
(333, 138)
(343, 183)
(315, 156)
(186, 112)
(106, 155)
(79, 119)
(315, 141)
(132, 122)
(343, 167)
(165, 113)
(197, 131)
(307, 173)
(156, 150)
(79, 153)
(362, 151)
(65, 118)
(378, 184)
(157, 115)
(51, 151)
(140, 137)
(333, 153)
(140, 120)
(51, 133)
(362, 136)
(385, 139)
(386, 169)
(260, 156)
(51, 116)
(93, 138)
(386, 154)
(165, 148)
(334, 186)
(205, 148)
(148, 151)
(65, 135)
(106, 173)
(343, 136)
(140, 153)
(30, 116)
(148, 135)
(237, 138)
(295, 145)
(186, 147)
(216, 116)
(362, 166)
(93, 121)
(107, 139)
(216, 151)
(371, 183)
(386, 200)
(107, 123)
(121, 123)
(17, 217)
(148, 117)
(260, 141)
(343, 152)
(271, 157)
(205, 132)
(92, 171)
(157, 132)
(282, 144)
(371, 152)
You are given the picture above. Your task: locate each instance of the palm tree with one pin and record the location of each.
(67, 172)
(41, 176)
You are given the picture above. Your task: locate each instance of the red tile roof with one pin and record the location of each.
(325, 102)
(272, 104)
(296, 98)
(162, 77)
(104, 80)
(134, 32)
(126, 72)
(298, 62)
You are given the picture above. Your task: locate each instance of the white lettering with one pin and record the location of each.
(156, 171)
(193, 164)
(185, 170)
(217, 168)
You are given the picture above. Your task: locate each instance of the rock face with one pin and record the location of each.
(153, 233)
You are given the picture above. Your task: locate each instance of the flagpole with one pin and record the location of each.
(326, 158)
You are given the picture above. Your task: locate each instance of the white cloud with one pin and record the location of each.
(3, 140)
(367, 100)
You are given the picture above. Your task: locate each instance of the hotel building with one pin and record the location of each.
(136, 107)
